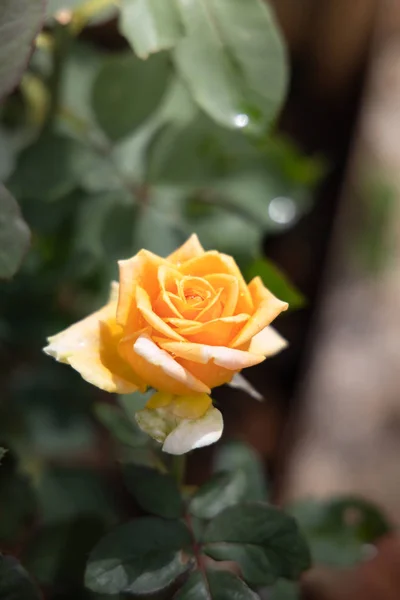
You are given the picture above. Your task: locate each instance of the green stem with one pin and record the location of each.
(178, 467)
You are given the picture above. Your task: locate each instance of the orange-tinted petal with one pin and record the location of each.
(144, 306)
(268, 307)
(230, 291)
(190, 249)
(216, 263)
(211, 374)
(140, 270)
(219, 332)
(158, 368)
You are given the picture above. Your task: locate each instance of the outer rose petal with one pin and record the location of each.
(267, 342)
(195, 433)
(158, 369)
(90, 347)
(240, 383)
(142, 270)
(229, 358)
(181, 435)
(190, 249)
(267, 309)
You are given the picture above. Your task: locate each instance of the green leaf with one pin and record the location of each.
(221, 491)
(50, 168)
(263, 540)
(284, 590)
(149, 25)
(238, 79)
(155, 492)
(56, 553)
(215, 585)
(15, 583)
(127, 91)
(276, 282)
(20, 21)
(14, 235)
(114, 419)
(17, 502)
(140, 557)
(229, 233)
(337, 530)
(159, 226)
(236, 456)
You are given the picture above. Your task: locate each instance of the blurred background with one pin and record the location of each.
(106, 154)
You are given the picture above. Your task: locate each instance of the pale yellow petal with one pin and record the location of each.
(229, 358)
(267, 342)
(90, 347)
(190, 249)
(185, 406)
(195, 433)
(267, 308)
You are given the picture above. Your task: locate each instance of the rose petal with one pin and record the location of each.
(228, 358)
(240, 383)
(190, 249)
(186, 406)
(90, 347)
(195, 433)
(267, 309)
(218, 332)
(267, 342)
(158, 368)
(141, 269)
(230, 291)
(144, 306)
(215, 262)
(210, 374)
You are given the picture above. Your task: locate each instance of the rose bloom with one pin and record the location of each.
(181, 325)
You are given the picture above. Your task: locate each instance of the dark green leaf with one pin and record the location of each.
(20, 21)
(56, 553)
(276, 282)
(262, 539)
(236, 456)
(337, 530)
(15, 583)
(140, 557)
(66, 493)
(239, 80)
(127, 91)
(221, 491)
(215, 585)
(284, 590)
(50, 168)
(119, 425)
(14, 235)
(149, 25)
(155, 492)
(18, 505)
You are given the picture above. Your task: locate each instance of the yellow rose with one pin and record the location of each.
(182, 325)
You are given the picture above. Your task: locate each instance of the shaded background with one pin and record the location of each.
(331, 420)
